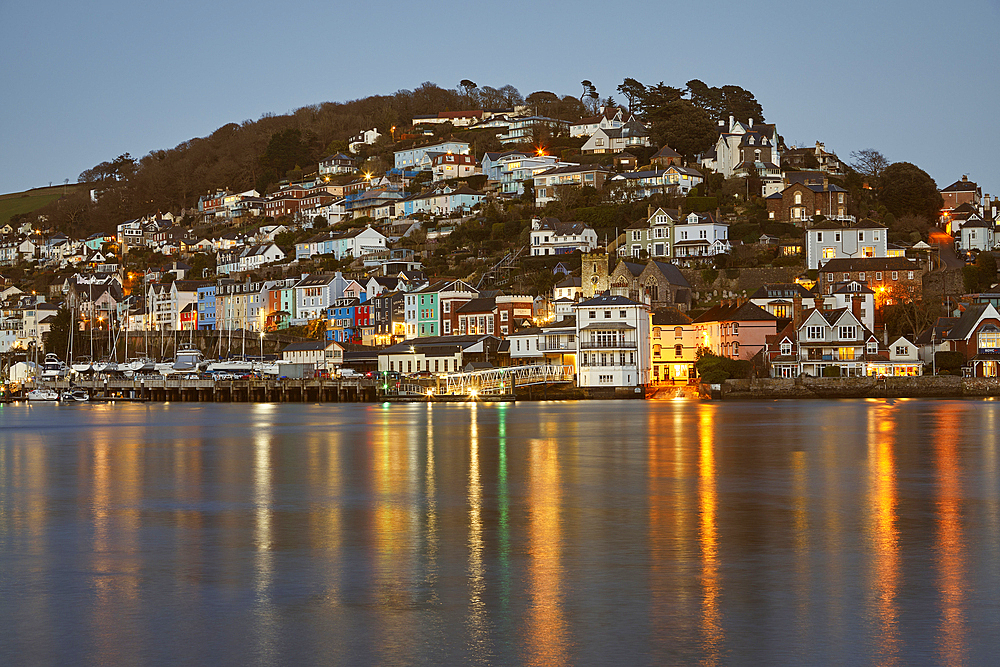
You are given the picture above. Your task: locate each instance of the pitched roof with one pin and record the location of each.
(671, 273)
(607, 299)
(848, 264)
(781, 291)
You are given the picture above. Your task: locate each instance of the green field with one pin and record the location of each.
(31, 200)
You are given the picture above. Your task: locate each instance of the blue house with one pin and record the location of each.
(341, 319)
(206, 307)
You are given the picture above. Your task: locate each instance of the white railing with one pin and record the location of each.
(503, 380)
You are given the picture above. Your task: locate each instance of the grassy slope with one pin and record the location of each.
(31, 200)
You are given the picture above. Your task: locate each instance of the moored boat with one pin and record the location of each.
(43, 395)
(75, 396)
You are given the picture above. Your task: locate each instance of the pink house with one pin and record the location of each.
(737, 330)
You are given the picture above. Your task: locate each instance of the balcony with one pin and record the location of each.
(609, 345)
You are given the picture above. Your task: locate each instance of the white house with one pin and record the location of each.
(700, 235)
(832, 240)
(365, 137)
(975, 235)
(314, 294)
(608, 118)
(613, 342)
(549, 236)
(615, 140)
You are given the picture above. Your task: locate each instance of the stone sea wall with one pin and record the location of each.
(942, 386)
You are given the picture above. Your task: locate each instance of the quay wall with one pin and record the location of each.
(942, 386)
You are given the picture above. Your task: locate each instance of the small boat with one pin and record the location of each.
(236, 365)
(43, 395)
(75, 396)
(106, 366)
(141, 365)
(83, 365)
(188, 360)
(53, 368)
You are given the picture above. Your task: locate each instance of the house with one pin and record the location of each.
(363, 138)
(351, 243)
(450, 165)
(568, 288)
(976, 335)
(962, 191)
(475, 317)
(614, 140)
(524, 130)
(830, 240)
(509, 170)
(549, 236)
(700, 235)
(419, 158)
(456, 118)
(428, 311)
(612, 333)
(673, 346)
(649, 237)
(799, 202)
(634, 185)
(388, 317)
(438, 354)
(324, 355)
(666, 157)
(337, 164)
(554, 344)
(206, 306)
(855, 296)
(741, 144)
(737, 330)
(783, 299)
(608, 118)
(816, 157)
(548, 183)
(836, 343)
(893, 279)
(315, 294)
(976, 235)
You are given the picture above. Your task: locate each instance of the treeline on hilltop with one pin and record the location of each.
(259, 154)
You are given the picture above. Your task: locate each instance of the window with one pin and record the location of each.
(878, 275)
(814, 332)
(636, 235)
(736, 349)
(861, 276)
(861, 237)
(736, 329)
(848, 332)
(819, 237)
(436, 365)
(678, 332)
(836, 236)
(656, 333)
(786, 348)
(607, 314)
(868, 251)
(829, 277)
(678, 350)
(871, 347)
(621, 314)
(909, 275)
(901, 350)
(989, 339)
(592, 314)
(798, 197)
(845, 354)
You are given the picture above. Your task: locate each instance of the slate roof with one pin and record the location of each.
(781, 291)
(671, 273)
(962, 186)
(664, 316)
(848, 264)
(607, 299)
(731, 312)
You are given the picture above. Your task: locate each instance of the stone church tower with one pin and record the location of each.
(594, 273)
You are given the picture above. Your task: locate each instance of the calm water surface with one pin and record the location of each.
(833, 532)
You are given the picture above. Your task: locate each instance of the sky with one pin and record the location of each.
(86, 82)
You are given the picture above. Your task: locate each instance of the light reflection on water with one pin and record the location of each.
(536, 533)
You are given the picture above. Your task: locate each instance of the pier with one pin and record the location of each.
(224, 391)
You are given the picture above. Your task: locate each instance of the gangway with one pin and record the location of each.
(504, 380)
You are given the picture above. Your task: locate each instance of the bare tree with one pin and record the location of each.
(869, 162)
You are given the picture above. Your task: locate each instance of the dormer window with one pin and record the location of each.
(786, 348)
(872, 347)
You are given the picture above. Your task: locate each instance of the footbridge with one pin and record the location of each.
(505, 380)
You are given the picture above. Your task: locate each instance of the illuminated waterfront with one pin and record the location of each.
(636, 532)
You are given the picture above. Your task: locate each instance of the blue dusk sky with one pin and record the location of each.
(85, 82)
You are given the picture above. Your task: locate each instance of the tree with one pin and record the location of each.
(469, 88)
(869, 162)
(683, 126)
(57, 338)
(633, 92)
(907, 189)
(720, 103)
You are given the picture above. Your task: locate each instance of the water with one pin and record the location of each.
(811, 532)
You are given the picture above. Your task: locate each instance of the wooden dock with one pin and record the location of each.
(224, 391)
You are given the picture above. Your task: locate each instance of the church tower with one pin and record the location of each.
(594, 273)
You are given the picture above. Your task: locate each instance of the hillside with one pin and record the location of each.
(17, 203)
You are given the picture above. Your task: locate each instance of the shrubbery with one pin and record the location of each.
(714, 369)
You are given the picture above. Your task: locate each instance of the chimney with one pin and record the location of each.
(750, 122)
(731, 123)
(965, 178)
(856, 305)
(649, 211)
(797, 312)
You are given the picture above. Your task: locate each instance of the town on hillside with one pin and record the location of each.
(585, 243)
